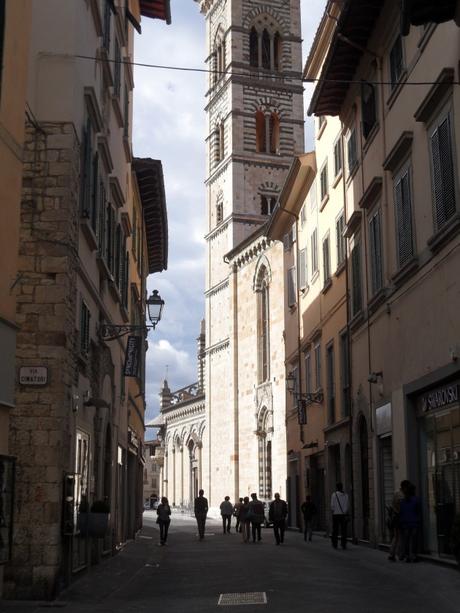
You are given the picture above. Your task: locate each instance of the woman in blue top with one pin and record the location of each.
(409, 522)
(164, 519)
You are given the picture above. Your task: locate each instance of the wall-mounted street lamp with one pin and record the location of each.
(155, 304)
(307, 397)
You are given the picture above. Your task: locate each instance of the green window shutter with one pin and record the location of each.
(403, 213)
(302, 268)
(443, 173)
(94, 192)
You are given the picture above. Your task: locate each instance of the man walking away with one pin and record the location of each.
(308, 509)
(277, 513)
(245, 522)
(257, 517)
(226, 510)
(393, 522)
(339, 508)
(410, 519)
(164, 519)
(236, 513)
(201, 511)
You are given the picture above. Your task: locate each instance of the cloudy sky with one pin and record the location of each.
(169, 124)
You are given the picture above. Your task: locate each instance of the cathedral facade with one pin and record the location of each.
(254, 128)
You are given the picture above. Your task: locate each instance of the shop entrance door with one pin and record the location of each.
(442, 466)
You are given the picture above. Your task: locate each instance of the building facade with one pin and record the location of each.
(14, 44)
(401, 197)
(93, 226)
(255, 125)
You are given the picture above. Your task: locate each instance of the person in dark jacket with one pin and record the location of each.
(245, 521)
(201, 512)
(164, 519)
(257, 517)
(236, 513)
(277, 514)
(226, 510)
(409, 522)
(308, 509)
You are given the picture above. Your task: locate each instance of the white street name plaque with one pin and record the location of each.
(33, 375)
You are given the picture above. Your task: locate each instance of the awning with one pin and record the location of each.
(355, 25)
(156, 9)
(149, 174)
(295, 189)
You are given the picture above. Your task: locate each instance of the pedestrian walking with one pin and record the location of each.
(308, 509)
(339, 508)
(226, 510)
(164, 519)
(245, 521)
(277, 514)
(393, 522)
(409, 522)
(257, 517)
(201, 511)
(236, 513)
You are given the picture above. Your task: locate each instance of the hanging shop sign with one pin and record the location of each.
(132, 356)
(441, 397)
(33, 375)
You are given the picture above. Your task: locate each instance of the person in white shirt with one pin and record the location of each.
(339, 508)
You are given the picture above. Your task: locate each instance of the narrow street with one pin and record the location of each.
(188, 576)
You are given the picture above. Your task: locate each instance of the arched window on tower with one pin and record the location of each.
(274, 133)
(277, 51)
(217, 145)
(253, 47)
(261, 133)
(266, 43)
(267, 205)
(219, 212)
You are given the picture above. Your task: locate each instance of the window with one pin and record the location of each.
(302, 268)
(318, 366)
(326, 260)
(222, 141)
(118, 255)
(253, 48)
(303, 215)
(117, 70)
(102, 222)
(314, 252)
(106, 27)
(345, 374)
(263, 333)
(219, 212)
(267, 205)
(352, 151)
(368, 108)
(442, 165)
(308, 382)
(134, 235)
(356, 289)
(267, 132)
(94, 209)
(218, 144)
(266, 50)
(340, 228)
(126, 114)
(261, 136)
(324, 182)
(277, 51)
(330, 383)
(292, 289)
(375, 246)
(274, 130)
(403, 216)
(87, 170)
(338, 157)
(396, 62)
(84, 328)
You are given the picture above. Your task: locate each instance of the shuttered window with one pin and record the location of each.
(339, 228)
(324, 182)
(94, 213)
(318, 366)
(106, 30)
(326, 260)
(291, 282)
(314, 252)
(375, 244)
(308, 382)
(356, 291)
(352, 151)
(85, 317)
(344, 373)
(443, 179)
(403, 217)
(337, 157)
(368, 108)
(118, 255)
(396, 61)
(102, 220)
(126, 114)
(302, 268)
(86, 174)
(117, 70)
(330, 383)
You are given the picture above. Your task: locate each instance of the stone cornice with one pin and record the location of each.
(212, 291)
(181, 412)
(251, 251)
(220, 346)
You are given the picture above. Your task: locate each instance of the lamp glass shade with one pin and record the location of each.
(290, 382)
(155, 306)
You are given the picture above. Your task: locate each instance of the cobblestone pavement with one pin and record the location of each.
(188, 576)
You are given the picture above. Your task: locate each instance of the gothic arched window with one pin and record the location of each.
(274, 133)
(253, 47)
(261, 133)
(263, 331)
(267, 205)
(266, 55)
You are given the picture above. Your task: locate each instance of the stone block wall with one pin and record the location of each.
(40, 426)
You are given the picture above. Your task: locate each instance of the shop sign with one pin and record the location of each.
(383, 419)
(440, 397)
(132, 356)
(33, 375)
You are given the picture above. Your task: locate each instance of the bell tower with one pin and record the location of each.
(254, 108)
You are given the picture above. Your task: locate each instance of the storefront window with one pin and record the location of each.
(7, 470)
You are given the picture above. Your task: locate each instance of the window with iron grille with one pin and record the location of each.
(117, 70)
(339, 229)
(85, 317)
(443, 170)
(308, 381)
(291, 283)
(368, 107)
(302, 268)
(403, 216)
(324, 182)
(396, 61)
(345, 373)
(318, 366)
(375, 246)
(330, 383)
(314, 252)
(356, 289)
(326, 260)
(352, 153)
(338, 157)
